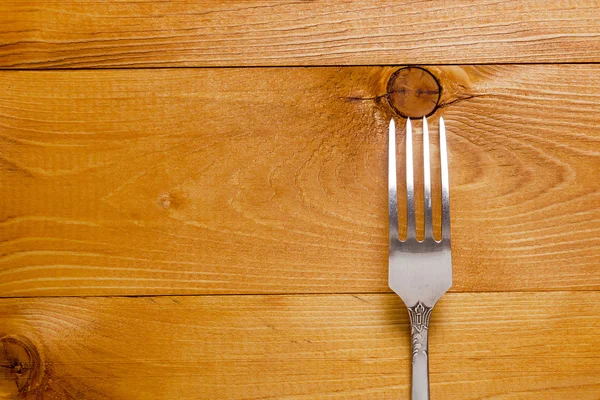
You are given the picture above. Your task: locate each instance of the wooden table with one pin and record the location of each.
(194, 198)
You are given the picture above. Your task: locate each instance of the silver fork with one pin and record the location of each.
(420, 272)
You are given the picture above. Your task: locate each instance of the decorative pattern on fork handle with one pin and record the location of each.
(419, 321)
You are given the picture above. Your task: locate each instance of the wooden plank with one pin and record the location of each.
(482, 346)
(187, 181)
(134, 33)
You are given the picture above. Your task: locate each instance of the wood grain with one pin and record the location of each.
(483, 346)
(135, 33)
(274, 180)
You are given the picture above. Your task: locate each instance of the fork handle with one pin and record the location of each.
(419, 321)
(420, 373)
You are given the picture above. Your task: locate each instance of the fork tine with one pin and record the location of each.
(427, 182)
(392, 189)
(410, 187)
(445, 183)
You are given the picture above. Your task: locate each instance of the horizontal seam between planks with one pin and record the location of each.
(299, 66)
(291, 294)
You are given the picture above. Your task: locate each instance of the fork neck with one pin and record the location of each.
(419, 321)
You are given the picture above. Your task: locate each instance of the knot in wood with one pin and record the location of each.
(21, 364)
(413, 92)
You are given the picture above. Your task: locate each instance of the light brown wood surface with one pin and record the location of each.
(185, 181)
(120, 33)
(221, 233)
(510, 346)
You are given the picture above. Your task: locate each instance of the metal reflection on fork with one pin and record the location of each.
(420, 272)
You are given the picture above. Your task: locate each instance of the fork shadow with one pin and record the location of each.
(396, 314)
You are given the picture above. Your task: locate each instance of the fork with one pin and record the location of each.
(420, 272)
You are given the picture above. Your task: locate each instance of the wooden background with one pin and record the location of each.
(194, 199)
